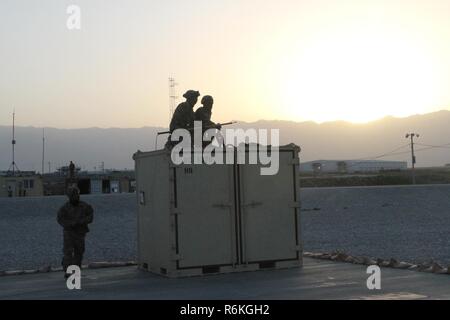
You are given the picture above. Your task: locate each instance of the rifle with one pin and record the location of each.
(207, 127)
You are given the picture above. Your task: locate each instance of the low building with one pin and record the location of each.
(21, 184)
(105, 182)
(98, 182)
(351, 166)
(54, 184)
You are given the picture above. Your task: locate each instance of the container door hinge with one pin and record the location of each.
(176, 257)
(172, 165)
(295, 205)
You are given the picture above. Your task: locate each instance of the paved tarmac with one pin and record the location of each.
(318, 279)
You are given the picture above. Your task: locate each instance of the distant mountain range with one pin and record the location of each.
(88, 148)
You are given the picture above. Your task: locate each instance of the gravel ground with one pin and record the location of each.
(410, 223)
(30, 236)
(407, 223)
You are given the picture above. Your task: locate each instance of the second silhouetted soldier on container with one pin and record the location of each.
(204, 113)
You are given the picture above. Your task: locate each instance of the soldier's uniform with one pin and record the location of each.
(204, 114)
(183, 116)
(74, 217)
(71, 170)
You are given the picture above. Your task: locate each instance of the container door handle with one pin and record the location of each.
(222, 205)
(252, 204)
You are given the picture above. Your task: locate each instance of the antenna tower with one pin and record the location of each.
(172, 97)
(13, 167)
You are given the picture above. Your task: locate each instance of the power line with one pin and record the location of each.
(390, 153)
(394, 153)
(427, 147)
(385, 154)
(446, 146)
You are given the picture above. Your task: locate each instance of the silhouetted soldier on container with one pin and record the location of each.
(204, 113)
(74, 217)
(183, 117)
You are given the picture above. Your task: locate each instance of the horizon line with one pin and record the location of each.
(246, 122)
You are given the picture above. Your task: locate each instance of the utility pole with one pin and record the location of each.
(43, 151)
(413, 157)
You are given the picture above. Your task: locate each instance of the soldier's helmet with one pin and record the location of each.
(207, 100)
(73, 193)
(191, 94)
(73, 190)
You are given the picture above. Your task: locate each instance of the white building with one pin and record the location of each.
(351, 166)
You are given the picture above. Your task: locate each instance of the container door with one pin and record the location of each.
(205, 215)
(96, 186)
(269, 225)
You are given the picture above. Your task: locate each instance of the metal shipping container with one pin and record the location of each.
(197, 219)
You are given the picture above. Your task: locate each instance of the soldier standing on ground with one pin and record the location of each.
(74, 217)
(183, 117)
(71, 170)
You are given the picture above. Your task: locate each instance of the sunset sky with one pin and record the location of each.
(286, 59)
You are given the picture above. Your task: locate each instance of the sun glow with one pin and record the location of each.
(358, 78)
